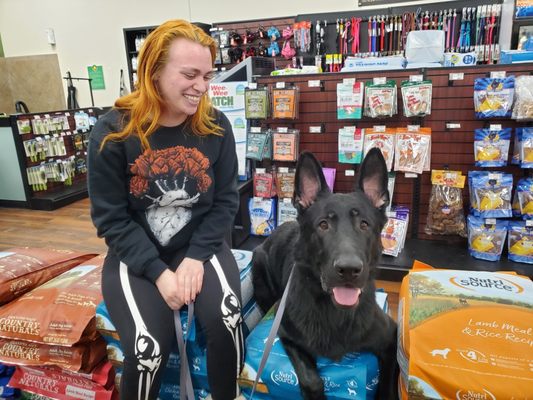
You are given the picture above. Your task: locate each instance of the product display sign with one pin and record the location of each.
(96, 74)
(228, 96)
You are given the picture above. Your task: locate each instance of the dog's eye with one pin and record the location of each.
(324, 225)
(363, 225)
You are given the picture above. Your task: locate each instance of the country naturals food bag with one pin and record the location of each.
(465, 334)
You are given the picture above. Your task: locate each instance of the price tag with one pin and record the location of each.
(252, 85)
(349, 172)
(529, 222)
(457, 76)
(55, 135)
(282, 129)
(313, 83)
(315, 129)
(497, 74)
(494, 176)
(286, 200)
(47, 115)
(380, 81)
(280, 85)
(348, 81)
(283, 170)
(260, 170)
(416, 78)
(36, 117)
(490, 221)
(62, 134)
(67, 114)
(69, 133)
(380, 128)
(413, 128)
(495, 127)
(453, 125)
(255, 129)
(410, 175)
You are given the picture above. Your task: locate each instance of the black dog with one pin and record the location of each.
(333, 249)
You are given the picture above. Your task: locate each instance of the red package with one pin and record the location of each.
(58, 385)
(60, 312)
(24, 268)
(80, 357)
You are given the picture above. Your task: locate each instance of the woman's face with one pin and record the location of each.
(183, 80)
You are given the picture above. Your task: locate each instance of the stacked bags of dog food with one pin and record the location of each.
(196, 350)
(465, 334)
(50, 334)
(353, 377)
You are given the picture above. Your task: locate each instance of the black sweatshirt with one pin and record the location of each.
(180, 193)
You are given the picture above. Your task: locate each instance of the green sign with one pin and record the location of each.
(96, 74)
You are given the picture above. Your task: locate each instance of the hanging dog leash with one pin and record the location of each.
(272, 334)
(186, 390)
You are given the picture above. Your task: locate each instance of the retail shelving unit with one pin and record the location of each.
(452, 105)
(54, 193)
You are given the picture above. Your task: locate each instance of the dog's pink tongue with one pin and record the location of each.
(346, 296)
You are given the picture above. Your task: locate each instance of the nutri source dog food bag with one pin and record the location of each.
(354, 377)
(465, 335)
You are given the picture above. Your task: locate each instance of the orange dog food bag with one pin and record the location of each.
(465, 335)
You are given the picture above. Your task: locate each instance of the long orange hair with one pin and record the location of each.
(143, 106)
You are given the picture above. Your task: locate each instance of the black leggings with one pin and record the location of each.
(145, 325)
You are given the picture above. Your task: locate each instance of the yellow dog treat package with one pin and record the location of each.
(465, 335)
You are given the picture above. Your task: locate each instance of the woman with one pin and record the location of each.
(163, 189)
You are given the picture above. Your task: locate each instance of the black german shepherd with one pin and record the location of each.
(333, 249)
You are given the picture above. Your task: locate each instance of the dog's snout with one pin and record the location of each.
(348, 267)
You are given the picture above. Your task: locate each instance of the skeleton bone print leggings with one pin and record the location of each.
(145, 325)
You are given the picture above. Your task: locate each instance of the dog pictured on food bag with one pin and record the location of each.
(333, 248)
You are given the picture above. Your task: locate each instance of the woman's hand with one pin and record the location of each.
(189, 276)
(167, 285)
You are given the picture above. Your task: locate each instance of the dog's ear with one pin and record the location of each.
(309, 181)
(374, 178)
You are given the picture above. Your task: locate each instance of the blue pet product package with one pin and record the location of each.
(491, 147)
(520, 241)
(490, 194)
(523, 199)
(262, 216)
(196, 350)
(493, 97)
(486, 237)
(6, 392)
(354, 377)
(526, 147)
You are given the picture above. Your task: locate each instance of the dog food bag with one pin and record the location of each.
(24, 268)
(60, 312)
(58, 385)
(520, 241)
(353, 377)
(80, 357)
(465, 334)
(491, 147)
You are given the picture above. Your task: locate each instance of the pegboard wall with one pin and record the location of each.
(453, 148)
(241, 27)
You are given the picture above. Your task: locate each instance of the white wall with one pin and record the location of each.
(90, 32)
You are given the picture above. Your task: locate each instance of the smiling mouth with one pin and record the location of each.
(192, 99)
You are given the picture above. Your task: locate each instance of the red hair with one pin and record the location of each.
(143, 106)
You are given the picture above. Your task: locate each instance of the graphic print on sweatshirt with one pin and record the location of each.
(162, 177)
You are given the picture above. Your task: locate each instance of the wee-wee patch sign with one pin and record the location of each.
(228, 96)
